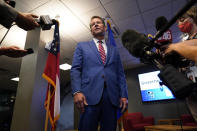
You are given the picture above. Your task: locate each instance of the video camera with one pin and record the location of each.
(139, 45)
(46, 22)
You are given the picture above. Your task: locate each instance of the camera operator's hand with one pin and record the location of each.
(13, 51)
(163, 48)
(26, 21)
(179, 55)
(168, 48)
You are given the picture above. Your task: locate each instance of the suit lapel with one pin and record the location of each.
(95, 50)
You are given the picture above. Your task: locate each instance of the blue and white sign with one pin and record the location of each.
(150, 88)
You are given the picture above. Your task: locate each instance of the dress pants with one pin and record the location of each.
(104, 113)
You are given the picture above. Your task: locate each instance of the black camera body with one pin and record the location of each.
(45, 22)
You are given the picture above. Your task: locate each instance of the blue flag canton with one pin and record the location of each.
(55, 45)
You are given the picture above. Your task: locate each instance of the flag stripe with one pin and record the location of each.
(51, 74)
(48, 79)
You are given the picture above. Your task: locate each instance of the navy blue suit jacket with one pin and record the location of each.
(88, 73)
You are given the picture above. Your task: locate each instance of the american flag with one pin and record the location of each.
(52, 75)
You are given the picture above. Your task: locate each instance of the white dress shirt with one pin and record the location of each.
(103, 44)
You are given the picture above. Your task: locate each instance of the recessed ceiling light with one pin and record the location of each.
(15, 79)
(65, 66)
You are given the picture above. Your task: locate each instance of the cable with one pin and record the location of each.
(6, 33)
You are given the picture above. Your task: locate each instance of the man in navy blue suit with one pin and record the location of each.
(98, 81)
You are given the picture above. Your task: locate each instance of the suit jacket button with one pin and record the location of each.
(103, 76)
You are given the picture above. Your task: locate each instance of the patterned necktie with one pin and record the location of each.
(102, 51)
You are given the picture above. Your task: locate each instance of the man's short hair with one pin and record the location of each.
(93, 17)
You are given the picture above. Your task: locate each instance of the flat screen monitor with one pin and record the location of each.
(150, 88)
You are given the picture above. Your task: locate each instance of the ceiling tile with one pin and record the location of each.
(151, 4)
(121, 9)
(82, 6)
(70, 24)
(85, 17)
(177, 5)
(150, 16)
(134, 22)
(106, 1)
(28, 5)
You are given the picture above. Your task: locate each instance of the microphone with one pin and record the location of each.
(166, 38)
(136, 43)
(160, 22)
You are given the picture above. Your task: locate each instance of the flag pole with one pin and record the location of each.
(48, 104)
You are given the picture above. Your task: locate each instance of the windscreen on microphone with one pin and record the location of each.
(160, 22)
(135, 42)
(166, 38)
